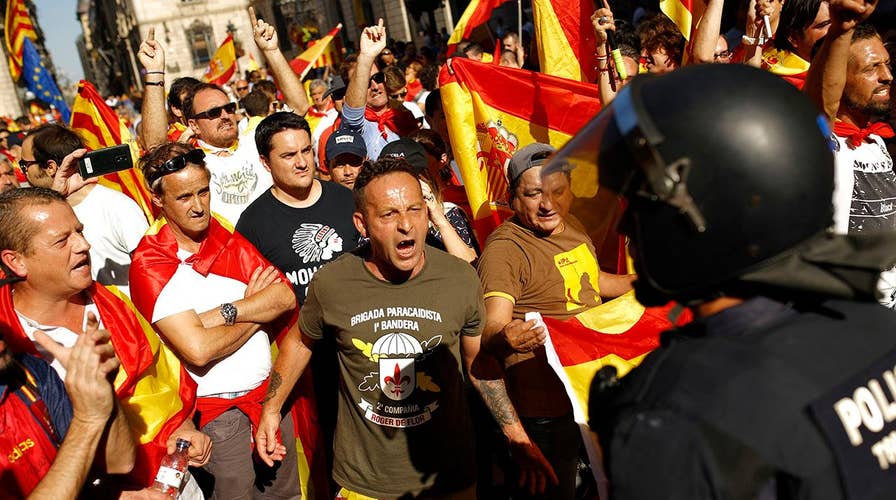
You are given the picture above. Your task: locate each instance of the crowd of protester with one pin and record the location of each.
(330, 216)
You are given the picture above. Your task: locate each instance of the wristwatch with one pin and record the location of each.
(228, 311)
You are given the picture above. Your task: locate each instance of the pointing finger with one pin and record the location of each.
(252, 18)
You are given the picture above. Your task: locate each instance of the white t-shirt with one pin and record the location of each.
(244, 369)
(113, 225)
(237, 178)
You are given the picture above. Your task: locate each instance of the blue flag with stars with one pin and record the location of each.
(40, 81)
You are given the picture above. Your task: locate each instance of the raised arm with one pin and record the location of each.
(753, 33)
(266, 39)
(707, 33)
(154, 130)
(602, 21)
(373, 41)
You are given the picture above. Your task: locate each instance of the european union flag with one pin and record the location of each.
(39, 80)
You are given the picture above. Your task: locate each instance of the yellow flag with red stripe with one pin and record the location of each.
(100, 127)
(223, 65)
(17, 26)
(307, 59)
(565, 43)
(684, 13)
(487, 124)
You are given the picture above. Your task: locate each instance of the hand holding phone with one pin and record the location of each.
(104, 161)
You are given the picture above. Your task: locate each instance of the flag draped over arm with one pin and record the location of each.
(487, 124)
(154, 390)
(322, 51)
(39, 80)
(17, 26)
(223, 64)
(476, 14)
(225, 252)
(566, 42)
(100, 127)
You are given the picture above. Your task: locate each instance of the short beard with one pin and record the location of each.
(875, 111)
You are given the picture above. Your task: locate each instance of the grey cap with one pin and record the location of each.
(533, 155)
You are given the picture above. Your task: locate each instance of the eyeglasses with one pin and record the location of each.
(214, 113)
(240, 89)
(725, 54)
(399, 95)
(24, 164)
(195, 157)
(378, 78)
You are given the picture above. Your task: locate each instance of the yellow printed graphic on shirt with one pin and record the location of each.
(580, 274)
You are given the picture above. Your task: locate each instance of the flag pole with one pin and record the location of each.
(519, 20)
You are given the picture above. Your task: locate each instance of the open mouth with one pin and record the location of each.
(406, 248)
(82, 264)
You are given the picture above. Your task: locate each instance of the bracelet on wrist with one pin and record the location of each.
(600, 57)
(155, 72)
(160, 84)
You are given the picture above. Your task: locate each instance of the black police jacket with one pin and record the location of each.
(763, 400)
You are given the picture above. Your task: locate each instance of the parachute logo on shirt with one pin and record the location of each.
(316, 242)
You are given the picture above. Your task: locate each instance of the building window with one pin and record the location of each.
(199, 37)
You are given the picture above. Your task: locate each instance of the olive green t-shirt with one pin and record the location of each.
(403, 424)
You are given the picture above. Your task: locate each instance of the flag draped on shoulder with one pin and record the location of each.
(317, 53)
(476, 14)
(565, 42)
(223, 64)
(226, 253)
(100, 127)
(154, 390)
(39, 80)
(487, 124)
(17, 26)
(618, 333)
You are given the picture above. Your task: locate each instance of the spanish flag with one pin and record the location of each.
(16, 27)
(316, 54)
(226, 253)
(154, 390)
(565, 43)
(476, 14)
(487, 124)
(223, 65)
(785, 64)
(100, 127)
(681, 12)
(617, 333)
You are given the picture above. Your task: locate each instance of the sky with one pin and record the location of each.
(61, 29)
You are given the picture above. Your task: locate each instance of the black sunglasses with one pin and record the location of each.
(378, 78)
(175, 164)
(399, 95)
(214, 113)
(24, 164)
(242, 88)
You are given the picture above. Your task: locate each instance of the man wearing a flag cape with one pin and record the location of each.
(783, 386)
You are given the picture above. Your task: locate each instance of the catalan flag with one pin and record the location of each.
(39, 80)
(17, 27)
(100, 127)
(487, 124)
(476, 14)
(315, 52)
(154, 390)
(223, 64)
(565, 43)
(617, 333)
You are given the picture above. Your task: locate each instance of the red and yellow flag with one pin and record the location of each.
(17, 26)
(154, 390)
(686, 14)
(223, 65)
(476, 14)
(565, 43)
(316, 53)
(487, 124)
(100, 127)
(617, 333)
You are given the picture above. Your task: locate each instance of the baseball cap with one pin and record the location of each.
(533, 155)
(408, 149)
(337, 89)
(345, 141)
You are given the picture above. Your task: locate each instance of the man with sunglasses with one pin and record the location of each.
(540, 260)
(113, 223)
(367, 105)
(214, 299)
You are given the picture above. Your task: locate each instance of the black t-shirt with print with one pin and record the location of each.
(300, 240)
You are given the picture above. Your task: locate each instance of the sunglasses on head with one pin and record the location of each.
(195, 156)
(378, 78)
(211, 114)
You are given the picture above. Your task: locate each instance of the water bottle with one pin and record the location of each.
(171, 472)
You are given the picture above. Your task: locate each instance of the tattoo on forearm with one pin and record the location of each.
(494, 393)
(273, 385)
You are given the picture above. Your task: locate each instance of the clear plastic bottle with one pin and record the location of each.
(171, 472)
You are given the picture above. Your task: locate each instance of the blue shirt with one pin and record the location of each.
(50, 388)
(353, 118)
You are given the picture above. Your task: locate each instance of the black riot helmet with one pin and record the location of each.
(723, 168)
